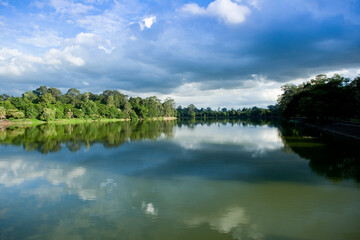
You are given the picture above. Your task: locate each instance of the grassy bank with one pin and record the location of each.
(20, 122)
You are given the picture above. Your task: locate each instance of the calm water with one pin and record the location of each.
(177, 180)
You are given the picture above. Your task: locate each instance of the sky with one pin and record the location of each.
(216, 53)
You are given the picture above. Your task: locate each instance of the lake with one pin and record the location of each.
(178, 180)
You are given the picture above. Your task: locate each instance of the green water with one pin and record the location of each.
(178, 180)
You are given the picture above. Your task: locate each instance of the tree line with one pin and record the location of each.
(49, 104)
(324, 97)
(333, 98)
(207, 113)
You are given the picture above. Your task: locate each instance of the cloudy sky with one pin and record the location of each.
(217, 53)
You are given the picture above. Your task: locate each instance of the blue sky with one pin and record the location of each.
(219, 53)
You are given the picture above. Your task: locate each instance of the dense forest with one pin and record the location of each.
(49, 104)
(335, 98)
(207, 113)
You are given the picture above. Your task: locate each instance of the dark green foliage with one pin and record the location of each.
(246, 113)
(32, 110)
(49, 103)
(324, 98)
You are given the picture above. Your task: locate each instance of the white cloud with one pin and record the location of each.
(254, 3)
(193, 8)
(84, 38)
(69, 7)
(245, 95)
(14, 62)
(43, 39)
(147, 22)
(106, 50)
(55, 56)
(227, 11)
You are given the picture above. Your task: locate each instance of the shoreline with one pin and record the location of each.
(4, 123)
(349, 130)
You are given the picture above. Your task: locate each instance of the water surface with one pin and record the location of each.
(177, 180)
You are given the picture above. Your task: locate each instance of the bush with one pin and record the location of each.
(48, 114)
(14, 113)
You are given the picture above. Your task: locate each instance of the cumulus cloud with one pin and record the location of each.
(180, 56)
(246, 95)
(147, 22)
(55, 56)
(227, 11)
(14, 62)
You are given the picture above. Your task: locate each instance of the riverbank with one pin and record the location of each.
(160, 119)
(25, 122)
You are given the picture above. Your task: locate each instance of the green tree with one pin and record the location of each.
(47, 99)
(48, 114)
(56, 93)
(89, 108)
(40, 91)
(169, 107)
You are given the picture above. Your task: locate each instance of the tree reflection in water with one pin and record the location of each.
(51, 138)
(330, 156)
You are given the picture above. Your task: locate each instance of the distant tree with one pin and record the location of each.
(4, 97)
(72, 96)
(40, 91)
(56, 93)
(47, 99)
(29, 97)
(169, 107)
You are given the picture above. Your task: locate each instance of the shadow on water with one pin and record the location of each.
(334, 157)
